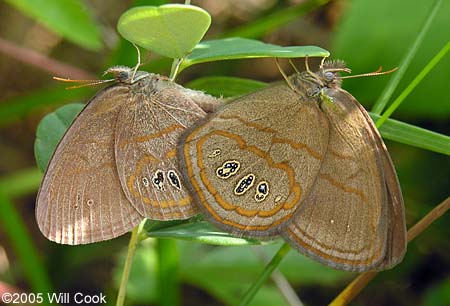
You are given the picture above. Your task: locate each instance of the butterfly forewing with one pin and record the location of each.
(80, 199)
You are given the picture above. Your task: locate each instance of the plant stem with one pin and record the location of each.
(426, 221)
(175, 68)
(280, 280)
(272, 265)
(128, 262)
(286, 289)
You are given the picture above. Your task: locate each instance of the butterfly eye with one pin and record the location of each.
(329, 76)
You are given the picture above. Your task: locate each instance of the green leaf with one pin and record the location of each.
(71, 19)
(202, 232)
(414, 136)
(220, 86)
(171, 30)
(155, 225)
(50, 131)
(238, 48)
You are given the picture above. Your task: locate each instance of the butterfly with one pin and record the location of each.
(117, 163)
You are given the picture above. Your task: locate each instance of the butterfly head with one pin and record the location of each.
(126, 75)
(329, 73)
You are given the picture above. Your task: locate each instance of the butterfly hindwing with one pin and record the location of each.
(80, 199)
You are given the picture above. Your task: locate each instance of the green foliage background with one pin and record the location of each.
(81, 34)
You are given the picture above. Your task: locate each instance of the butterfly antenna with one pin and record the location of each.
(284, 75)
(86, 82)
(376, 72)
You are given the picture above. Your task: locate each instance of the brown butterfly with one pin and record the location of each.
(301, 159)
(117, 163)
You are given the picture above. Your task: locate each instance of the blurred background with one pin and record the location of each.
(366, 34)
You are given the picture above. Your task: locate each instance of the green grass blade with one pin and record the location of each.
(265, 274)
(413, 84)
(22, 244)
(414, 136)
(380, 104)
